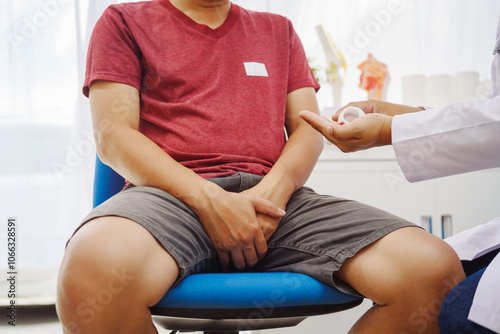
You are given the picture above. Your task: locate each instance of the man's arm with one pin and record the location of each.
(297, 159)
(115, 118)
(229, 219)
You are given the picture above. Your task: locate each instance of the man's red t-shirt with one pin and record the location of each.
(213, 99)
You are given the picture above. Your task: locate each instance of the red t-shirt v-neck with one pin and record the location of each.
(213, 99)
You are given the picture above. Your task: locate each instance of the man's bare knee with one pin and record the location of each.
(405, 264)
(441, 269)
(105, 265)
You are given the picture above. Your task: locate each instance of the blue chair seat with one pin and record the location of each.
(247, 301)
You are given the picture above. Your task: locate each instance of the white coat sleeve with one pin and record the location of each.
(454, 139)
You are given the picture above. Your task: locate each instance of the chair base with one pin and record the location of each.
(214, 326)
(240, 320)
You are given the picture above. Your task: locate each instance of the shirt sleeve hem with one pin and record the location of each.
(302, 84)
(134, 82)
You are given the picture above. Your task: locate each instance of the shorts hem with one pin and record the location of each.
(339, 258)
(184, 267)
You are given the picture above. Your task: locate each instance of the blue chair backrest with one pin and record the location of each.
(107, 182)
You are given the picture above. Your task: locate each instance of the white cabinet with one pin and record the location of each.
(471, 199)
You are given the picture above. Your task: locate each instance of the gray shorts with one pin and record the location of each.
(316, 236)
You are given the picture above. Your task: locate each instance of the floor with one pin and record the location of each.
(43, 320)
(38, 320)
(33, 319)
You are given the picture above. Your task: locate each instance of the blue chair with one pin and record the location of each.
(229, 303)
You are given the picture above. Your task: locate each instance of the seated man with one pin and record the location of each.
(189, 100)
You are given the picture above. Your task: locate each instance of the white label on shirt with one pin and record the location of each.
(255, 69)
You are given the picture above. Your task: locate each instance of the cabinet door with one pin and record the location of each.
(469, 199)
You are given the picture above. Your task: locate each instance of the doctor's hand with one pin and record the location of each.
(230, 220)
(379, 107)
(373, 129)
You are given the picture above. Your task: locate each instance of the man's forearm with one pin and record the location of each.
(300, 153)
(294, 166)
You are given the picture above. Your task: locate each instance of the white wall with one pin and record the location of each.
(422, 37)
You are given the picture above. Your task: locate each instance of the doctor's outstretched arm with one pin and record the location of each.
(374, 129)
(368, 131)
(432, 143)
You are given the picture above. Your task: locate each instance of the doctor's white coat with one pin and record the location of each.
(456, 139)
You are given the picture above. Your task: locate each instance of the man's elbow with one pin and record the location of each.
(104, 143)
(313, 138)
(319, 143)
